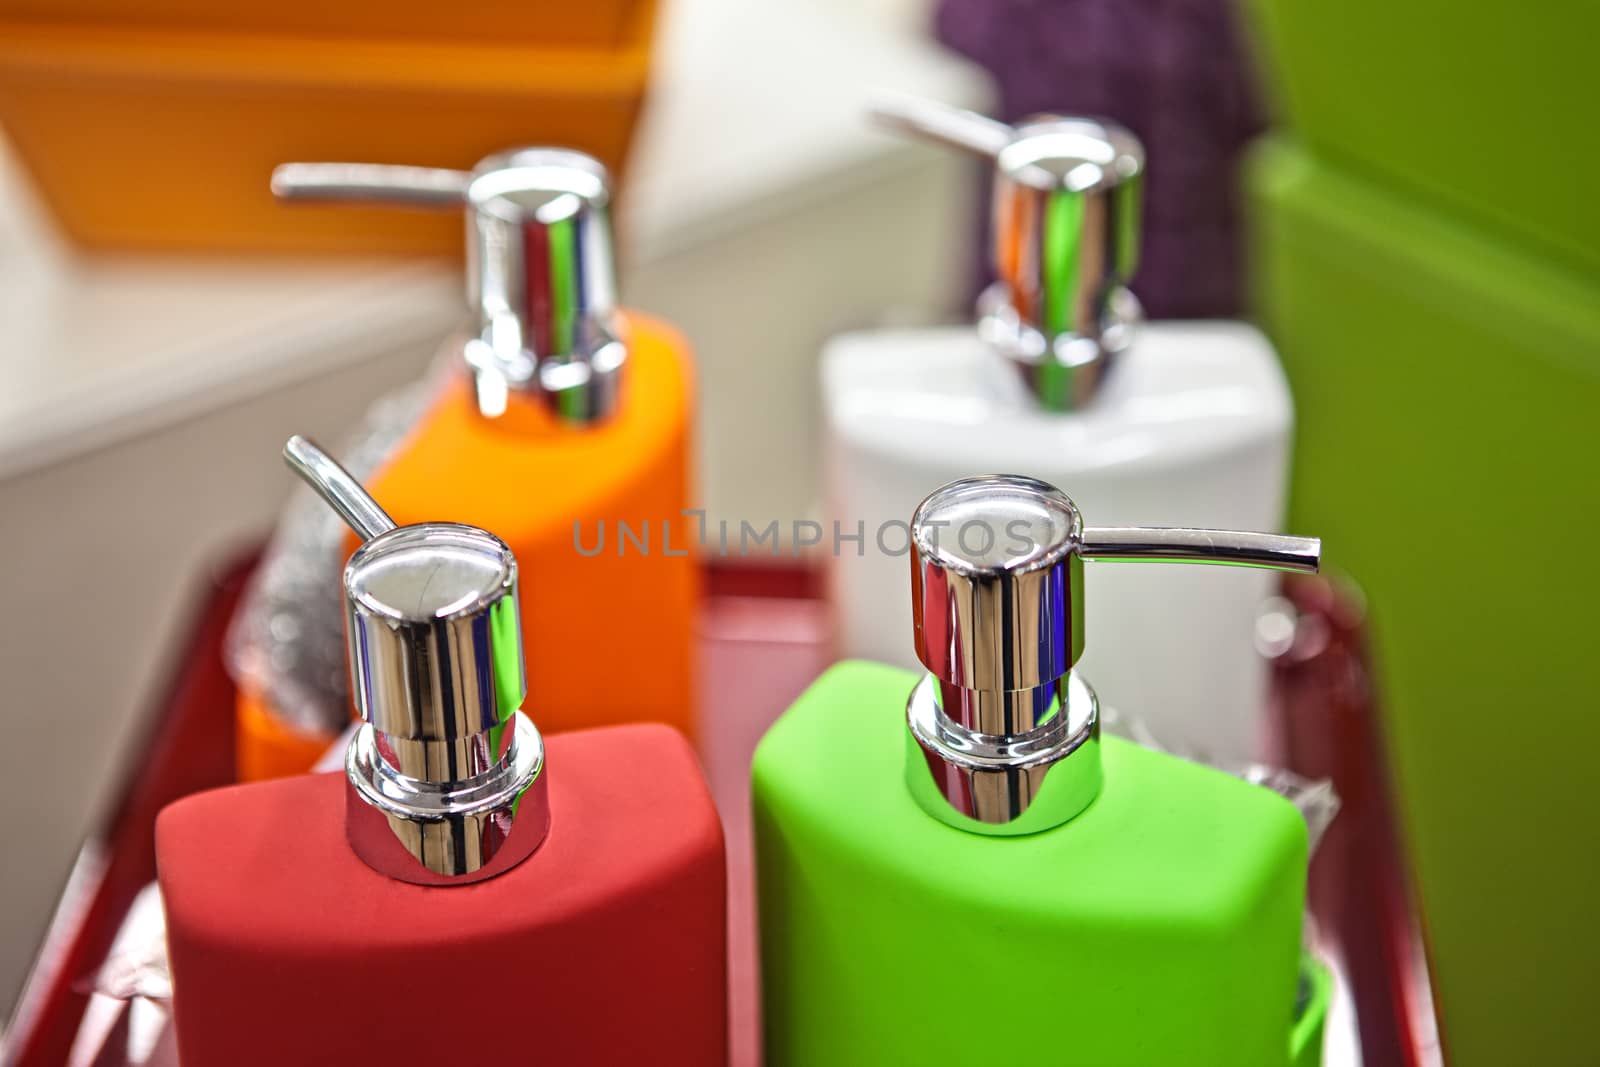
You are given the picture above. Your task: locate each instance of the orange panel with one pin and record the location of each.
(166, 140)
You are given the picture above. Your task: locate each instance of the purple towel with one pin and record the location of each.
(1175, 72)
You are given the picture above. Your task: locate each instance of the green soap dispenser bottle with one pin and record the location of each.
(983, 875)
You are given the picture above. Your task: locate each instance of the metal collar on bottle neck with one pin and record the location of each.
(541, 269)
(1065, 239)
(446, 782)
(1004, 735)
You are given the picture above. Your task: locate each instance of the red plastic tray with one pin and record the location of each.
(765, 637)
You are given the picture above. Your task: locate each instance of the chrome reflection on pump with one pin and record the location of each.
(1064, 239)
(445, 774)
(541, 271)
(1004, 735)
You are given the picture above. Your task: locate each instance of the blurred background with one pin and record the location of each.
(1399, 196)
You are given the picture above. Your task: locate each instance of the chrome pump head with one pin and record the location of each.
(1064, 239)
(1004, 734)
(541, 270)
(446, 782)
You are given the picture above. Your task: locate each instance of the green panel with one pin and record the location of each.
(1448, 401)
(1161, 926)
(1486, 107)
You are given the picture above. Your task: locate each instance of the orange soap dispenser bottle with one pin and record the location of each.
(566, 432)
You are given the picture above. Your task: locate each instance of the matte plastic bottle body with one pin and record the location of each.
(607, 946)
(551, 491)
(1192, 428)
(1162, 925)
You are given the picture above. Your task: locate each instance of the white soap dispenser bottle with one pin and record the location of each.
(1061, 382)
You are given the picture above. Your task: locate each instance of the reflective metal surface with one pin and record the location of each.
(1065, 239)
(997, 609)
(1152, 544)
(445, 776)
(953, 127)
(995, 580)
(453, 833)
(335, 485)
(371, 182)
(1004, 786)
(541, 272)
(435, 646)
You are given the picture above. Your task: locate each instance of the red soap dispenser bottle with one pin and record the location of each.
(466, 891)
